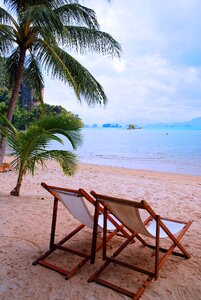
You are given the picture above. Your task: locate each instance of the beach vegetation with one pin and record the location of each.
(4, 77)
(37, 36)
(24, 116)
(32, 146)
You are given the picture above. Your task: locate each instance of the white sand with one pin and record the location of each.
(26, 221)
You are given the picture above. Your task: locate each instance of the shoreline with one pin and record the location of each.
(151, 169)
(139, 170)
(117, 168)
(25, 223)
(8, 159)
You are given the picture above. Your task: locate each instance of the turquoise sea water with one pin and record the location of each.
(177, 151)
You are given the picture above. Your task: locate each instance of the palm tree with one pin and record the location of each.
(31, 146)
(36, 35)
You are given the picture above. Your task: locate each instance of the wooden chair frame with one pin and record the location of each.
(159, 262)
(59, 245)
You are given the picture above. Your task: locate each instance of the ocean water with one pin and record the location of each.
(177, 151)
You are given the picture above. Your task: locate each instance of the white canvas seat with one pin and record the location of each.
(173, 227)
(130, 216)
(75, 204)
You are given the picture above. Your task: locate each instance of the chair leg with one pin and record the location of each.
(52, 234)
(157, 246)
(54, 219)
(95, 230)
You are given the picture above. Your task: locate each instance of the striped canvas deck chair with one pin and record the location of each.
(154, 227)
(73, 200)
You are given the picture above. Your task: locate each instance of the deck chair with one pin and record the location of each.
(154, 227)
(73, 200)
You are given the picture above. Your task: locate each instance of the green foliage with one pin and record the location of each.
(4, 99)
(22, 117)
(30, 147)
(4, 76)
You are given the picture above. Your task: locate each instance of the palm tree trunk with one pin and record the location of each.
(16, 190)
(2, 148)
(13, 99)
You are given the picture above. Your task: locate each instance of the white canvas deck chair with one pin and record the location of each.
(73, 200)
(155, 227)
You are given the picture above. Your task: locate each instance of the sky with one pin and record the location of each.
(157, 79)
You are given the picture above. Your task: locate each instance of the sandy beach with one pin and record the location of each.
(26, 221)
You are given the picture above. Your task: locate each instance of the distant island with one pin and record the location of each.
(108, 125)
(113, 125)
(192, 124)
(196, 122)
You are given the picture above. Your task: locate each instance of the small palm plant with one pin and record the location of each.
(31, 146)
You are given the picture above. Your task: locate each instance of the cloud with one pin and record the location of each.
(146, 89)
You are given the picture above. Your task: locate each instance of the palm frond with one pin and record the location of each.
(7, 39)
(67, 127)
(12, 63)
(6, 18)
(76, 14)
(35, 140)
(31, 147)
(15, 163)
(14, 5)
(7, 32)
(89, 88)
(5, 124)
(40, 16)
(51, 123)
(67, 69)
(66, 159)
(14, 141)
(52, 62)
(84, 40)
(8, 130)
(33, 75)
(22, 5)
